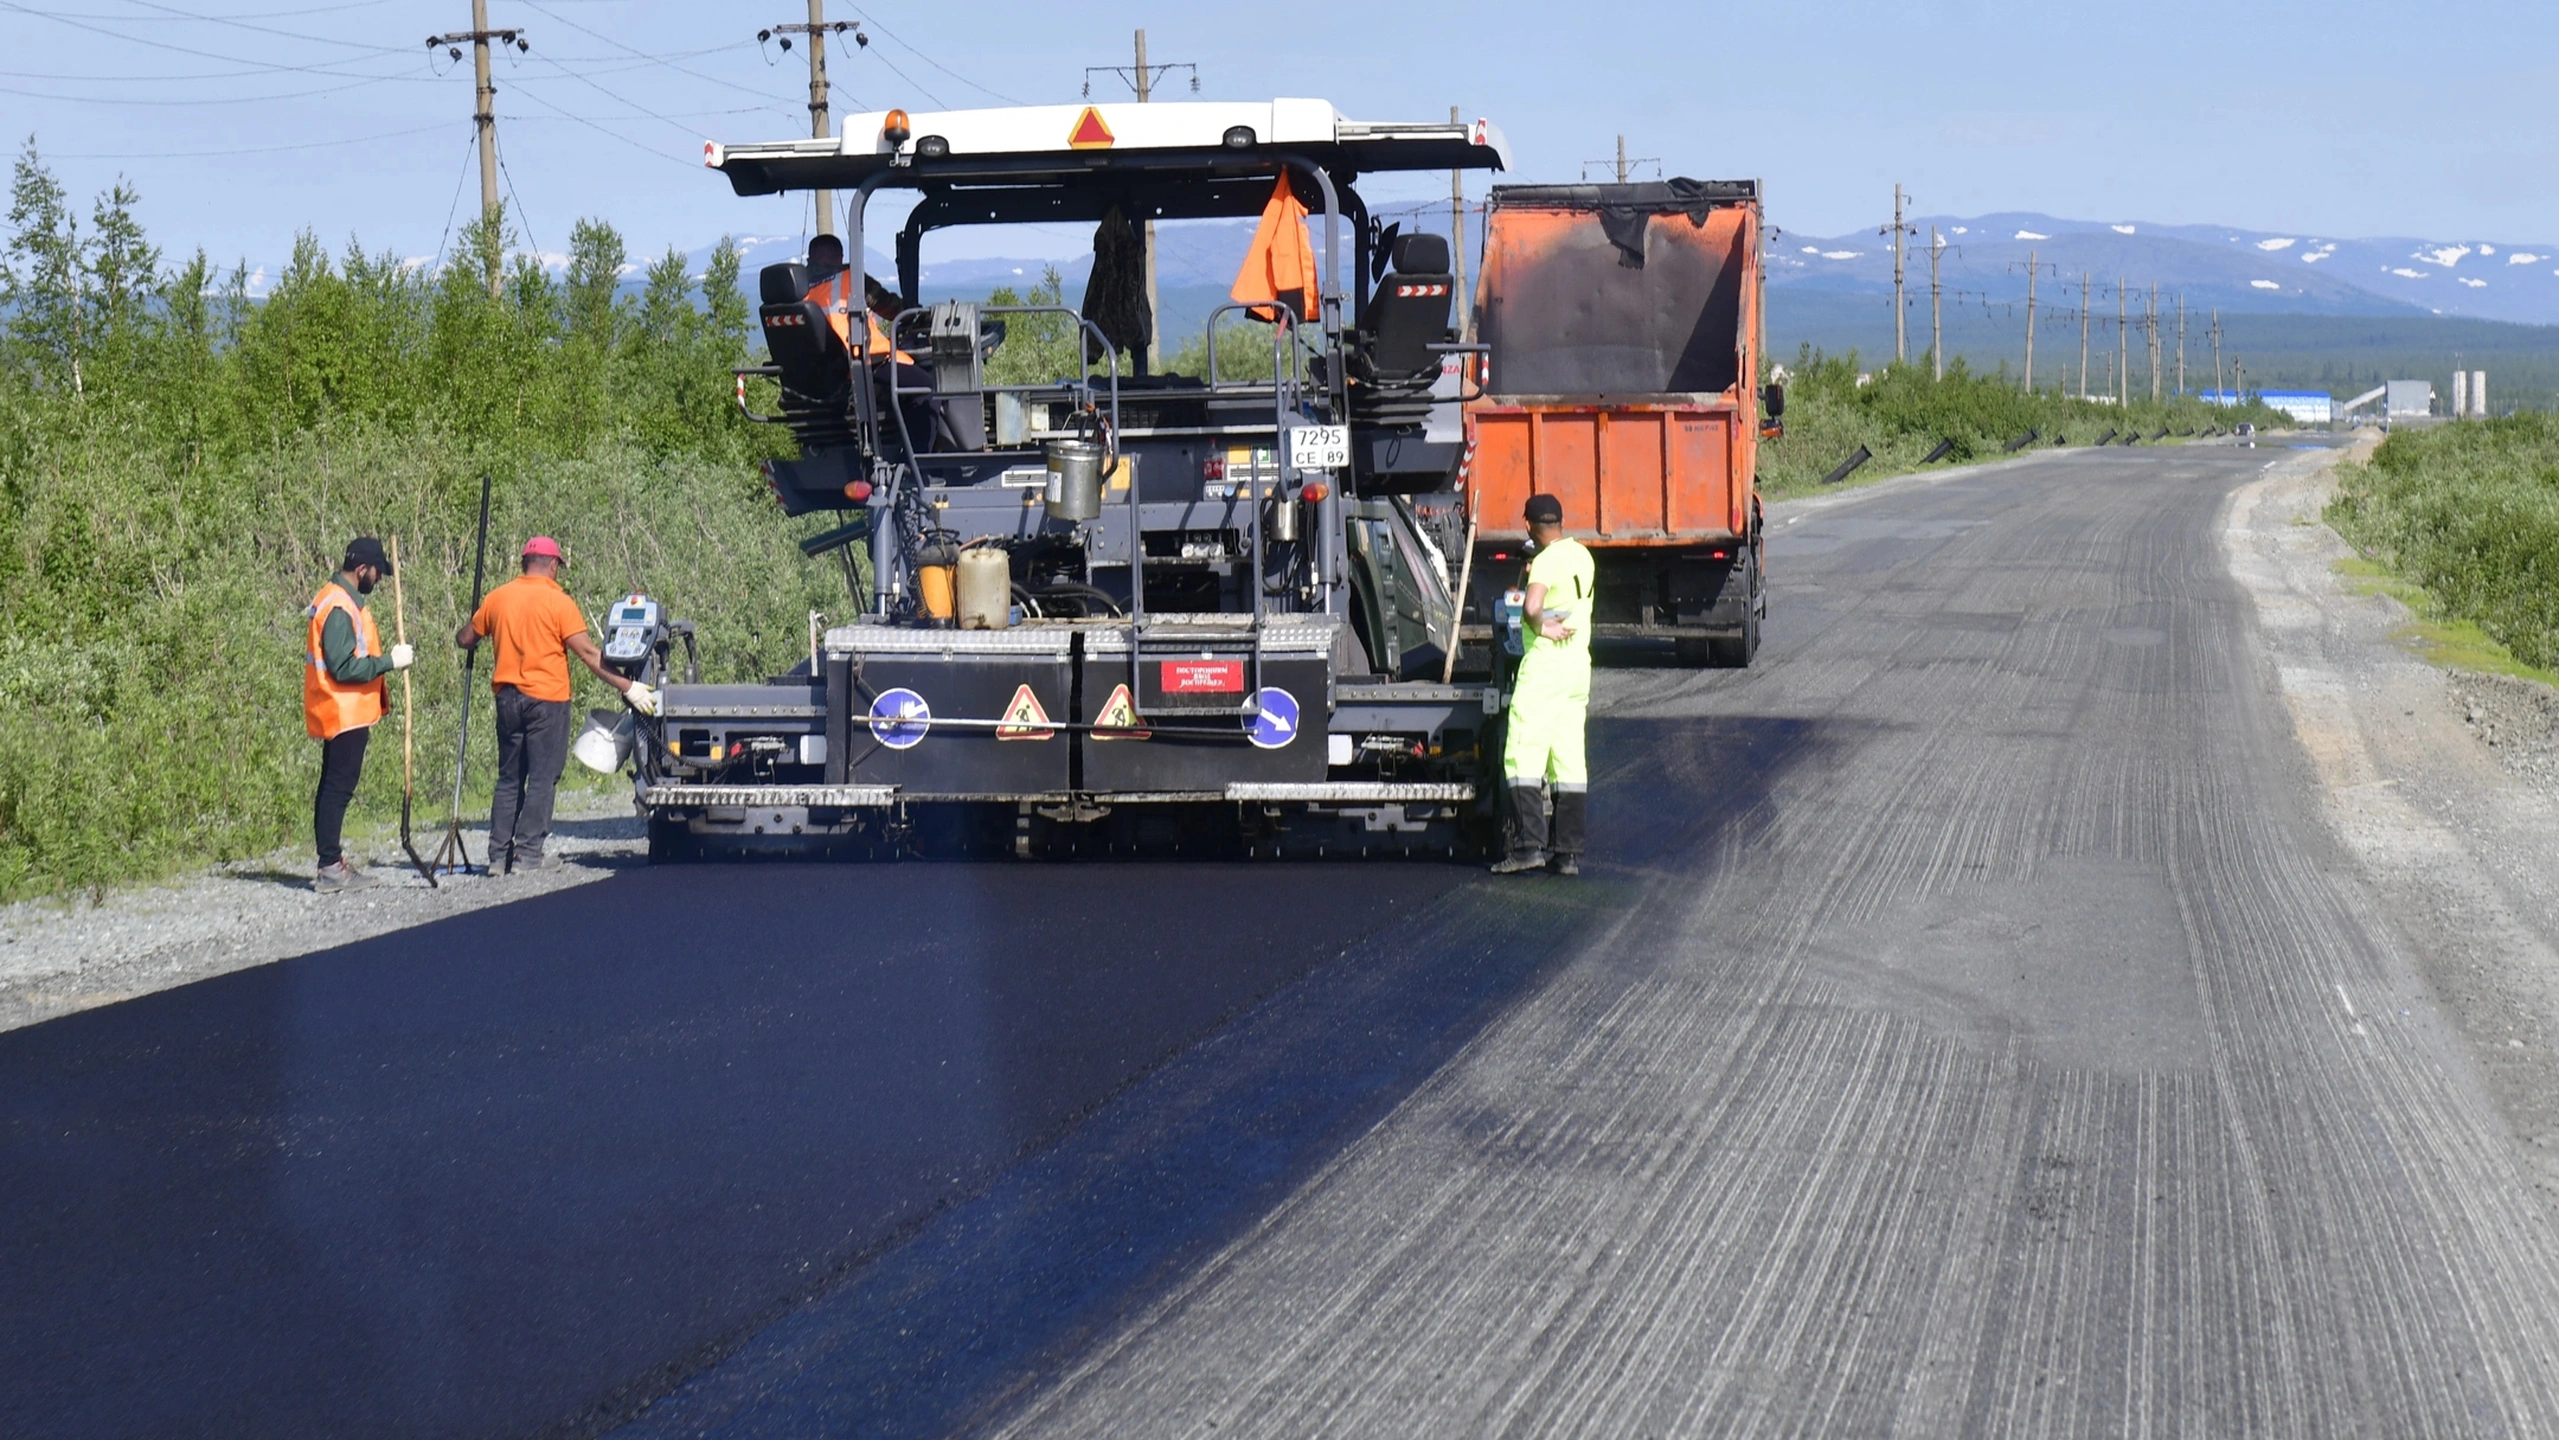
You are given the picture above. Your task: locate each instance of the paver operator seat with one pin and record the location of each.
(1407, 315)
(817, 371)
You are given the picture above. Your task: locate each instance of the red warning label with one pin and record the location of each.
(1203, 677)
(1024, 719)
(1118, 720)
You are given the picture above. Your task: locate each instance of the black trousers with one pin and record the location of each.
(533, 747)
(341, 766)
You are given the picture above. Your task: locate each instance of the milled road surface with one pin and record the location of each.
(1968, 1026)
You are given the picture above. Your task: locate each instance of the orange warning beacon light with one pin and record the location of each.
(895, 129)
(1089, 132)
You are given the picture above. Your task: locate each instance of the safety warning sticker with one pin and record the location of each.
(1024, 719)
(1196, 677)
(1118, 720)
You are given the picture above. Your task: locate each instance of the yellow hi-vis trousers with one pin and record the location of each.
(1550, 703)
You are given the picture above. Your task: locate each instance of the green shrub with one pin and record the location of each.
(180, 469)
(2471, 512)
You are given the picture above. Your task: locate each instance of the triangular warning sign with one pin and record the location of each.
(1089, 132)
(1024, 719)
(1118, 720)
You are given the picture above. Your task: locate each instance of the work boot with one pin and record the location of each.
(1524, 822)
(1572, 815)
(1520, 862)
(343, 876)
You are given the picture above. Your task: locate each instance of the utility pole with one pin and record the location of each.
(821, 125)
(2031, 318)
(2123, 344)
(1456, 247)
(2084, 333)
(2219, 393)
(484, 114)
(2150, 326)
(1901, 339)
(1936, 305)
(1621, 159)
(2181, 342)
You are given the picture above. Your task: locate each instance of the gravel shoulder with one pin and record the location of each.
(62, 955)
(2441, 784)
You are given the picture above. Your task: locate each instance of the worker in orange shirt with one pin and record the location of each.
(537, 627)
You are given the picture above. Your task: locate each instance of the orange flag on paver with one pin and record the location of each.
(1280, 266)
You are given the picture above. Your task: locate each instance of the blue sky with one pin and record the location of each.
(2341, 118)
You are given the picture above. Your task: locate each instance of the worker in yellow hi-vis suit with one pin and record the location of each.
(1550, 701)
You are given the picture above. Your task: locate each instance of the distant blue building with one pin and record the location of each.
(2310, 407)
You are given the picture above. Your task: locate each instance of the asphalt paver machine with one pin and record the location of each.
(1113, 611)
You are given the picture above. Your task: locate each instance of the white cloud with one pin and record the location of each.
(2121, 229)
(2473, 284)
(2282, 243)
(1960, 230)
(2265, 285)
(2405, 273)
(2487, 249)
(2524, 257)
(2444, 255)
(2031, 235)
(2313, 257)
(1840, 254)
(1812, 249)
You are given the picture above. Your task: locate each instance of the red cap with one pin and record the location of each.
(542, 545)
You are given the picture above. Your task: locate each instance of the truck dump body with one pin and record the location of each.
(1620, 326)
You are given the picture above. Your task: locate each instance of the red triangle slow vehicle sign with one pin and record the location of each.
(1089, 132)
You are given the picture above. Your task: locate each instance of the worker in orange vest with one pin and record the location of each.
(831, 288)
(342, 685)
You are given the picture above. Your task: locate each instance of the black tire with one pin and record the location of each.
(1736, 654)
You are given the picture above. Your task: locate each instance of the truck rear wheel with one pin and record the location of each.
(1735, 654)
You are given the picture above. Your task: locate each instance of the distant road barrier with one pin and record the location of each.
(1849, 466)
(2020, 443)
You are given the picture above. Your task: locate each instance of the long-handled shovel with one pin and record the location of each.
(408, 721)
(453, 857)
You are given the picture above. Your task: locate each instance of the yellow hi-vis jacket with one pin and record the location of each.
(1280, 265)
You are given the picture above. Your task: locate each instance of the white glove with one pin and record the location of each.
(403, 656)
(641, 697)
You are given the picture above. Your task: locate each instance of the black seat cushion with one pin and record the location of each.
(781, 284)
(817, 372)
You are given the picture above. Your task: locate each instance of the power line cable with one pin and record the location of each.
(187, 50)
(667, 61)
(207, 100)
(521, 213)
(929, 60)
(265, 29)
(255, 150)
(450, 210)
(556, 112)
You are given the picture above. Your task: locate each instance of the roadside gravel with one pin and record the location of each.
(58, 956)
(2440, 783)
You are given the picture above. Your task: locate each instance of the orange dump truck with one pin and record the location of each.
(1620, 332)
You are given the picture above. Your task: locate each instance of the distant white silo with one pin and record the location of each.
(2479, 393)
(2460, 393)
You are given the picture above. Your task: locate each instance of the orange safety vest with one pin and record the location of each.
(1280, 264)
(330, 706)
(835, 295)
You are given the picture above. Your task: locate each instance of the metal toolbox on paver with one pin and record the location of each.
(926, 708)
(1194, 677)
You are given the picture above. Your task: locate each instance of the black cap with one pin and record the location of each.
(1545, 510)
(365, 550)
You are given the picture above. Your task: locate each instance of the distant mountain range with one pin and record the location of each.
(2239, 271)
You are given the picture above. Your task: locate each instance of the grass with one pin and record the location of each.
(2468, 514)
(1903, 412)
(2433, 635)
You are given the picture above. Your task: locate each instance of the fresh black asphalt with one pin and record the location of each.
(1966, 1027)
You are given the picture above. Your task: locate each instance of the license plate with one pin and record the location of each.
(1319, 447)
